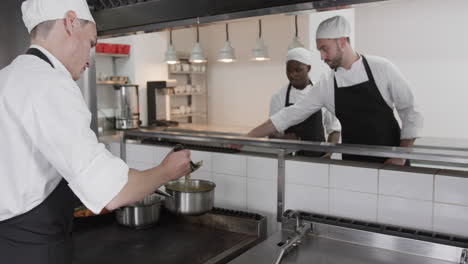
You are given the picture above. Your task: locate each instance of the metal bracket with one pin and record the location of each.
(464, 257)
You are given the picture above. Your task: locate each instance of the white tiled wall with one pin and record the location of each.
(405, 212)
(450, 189)
(420, 198)
(307, 173)
(230, 164)
(353, 204)
(406, 184)
(231, 191)
(306, 198)
(353, 178)
(452, 219)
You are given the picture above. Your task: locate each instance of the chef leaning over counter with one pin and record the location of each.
(317, 125)
(49, 153)
(362, 91)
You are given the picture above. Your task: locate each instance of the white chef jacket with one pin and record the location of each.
(391, 83)
(45, 135)
(278, 101)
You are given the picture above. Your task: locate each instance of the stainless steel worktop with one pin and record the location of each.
(319, 250)
(324, 239)
(447, 155)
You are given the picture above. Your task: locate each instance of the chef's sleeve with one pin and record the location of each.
(60, 129)
(309, 104)
(275, 104)
(330, 122)
(405, 103)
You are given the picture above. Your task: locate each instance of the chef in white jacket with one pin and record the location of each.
(318, 126)
(49, 153)
(361, 91)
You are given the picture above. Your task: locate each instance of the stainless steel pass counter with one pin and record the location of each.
(319, 239)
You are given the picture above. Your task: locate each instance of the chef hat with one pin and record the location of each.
(38, 11)
(300, 55)
(333, 28)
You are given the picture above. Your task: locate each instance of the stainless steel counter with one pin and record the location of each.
(446, 155)
(319, 250)
(320, 239)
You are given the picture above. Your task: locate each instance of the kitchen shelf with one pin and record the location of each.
(184, 72)
(184, 94)
(112, 55)
(111, 83)
(187, 115)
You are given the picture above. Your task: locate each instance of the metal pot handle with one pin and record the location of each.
(163, 193)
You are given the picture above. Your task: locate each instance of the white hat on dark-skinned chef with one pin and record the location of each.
(38, 11)
(300, 55)
(333, 28)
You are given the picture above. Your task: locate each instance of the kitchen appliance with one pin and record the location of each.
(159, 107)
(213, 238)
(141, 214)
(127, 109)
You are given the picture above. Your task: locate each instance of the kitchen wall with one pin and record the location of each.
(420, 198)
(427, 40)
(145, 63)
(239, 93)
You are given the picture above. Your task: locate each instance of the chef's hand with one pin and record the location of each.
(290, 136)
(396, 161)
(327, 155)
(176, 164)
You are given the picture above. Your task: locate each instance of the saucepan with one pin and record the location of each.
(188, 196)
(141, 214)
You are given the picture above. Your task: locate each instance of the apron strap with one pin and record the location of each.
(40, 55)
(287, 103)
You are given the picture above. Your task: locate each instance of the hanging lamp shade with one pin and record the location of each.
(260, 52)
(171, 54)
(296, 43)
(227, 54)
(197, 52)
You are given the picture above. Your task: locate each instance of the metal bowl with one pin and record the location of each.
(190, 197)
(141, 214)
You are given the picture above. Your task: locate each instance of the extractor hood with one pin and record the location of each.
(120, 17)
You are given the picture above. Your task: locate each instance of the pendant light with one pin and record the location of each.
(197, 53)
(260, 52)
(171, 54)
(295, 42)
(227, 53)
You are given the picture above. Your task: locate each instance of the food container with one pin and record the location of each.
(144, 213)
(189, 197)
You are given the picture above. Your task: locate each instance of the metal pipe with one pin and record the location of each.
(415, 153)
(281, 180)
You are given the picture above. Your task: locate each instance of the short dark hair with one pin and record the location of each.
(43, 29)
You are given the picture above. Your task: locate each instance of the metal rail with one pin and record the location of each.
(448, 155)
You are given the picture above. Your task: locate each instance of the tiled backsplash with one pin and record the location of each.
(428, 199)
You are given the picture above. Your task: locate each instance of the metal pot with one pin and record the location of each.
(189, 197)
(141, 214)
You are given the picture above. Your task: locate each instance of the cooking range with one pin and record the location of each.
(216, 237)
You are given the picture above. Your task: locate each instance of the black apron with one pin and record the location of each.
(365, 117)
(310, 129)
(42, 235)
